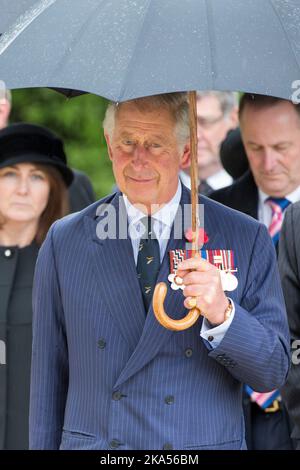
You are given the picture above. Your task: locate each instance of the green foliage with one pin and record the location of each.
(78, 121)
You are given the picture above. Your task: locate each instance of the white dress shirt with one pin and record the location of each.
(217, 181)
(162, 223)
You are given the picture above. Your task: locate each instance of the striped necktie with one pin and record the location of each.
(148, 262)
(278, 206)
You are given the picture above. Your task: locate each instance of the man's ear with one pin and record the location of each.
(109, 149)
(234, 118)
(5, 108)
(186, 158)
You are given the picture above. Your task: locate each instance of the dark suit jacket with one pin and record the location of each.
(81, 193)
(106, 375)
(242, 195)
(289, 266)
(266, 433)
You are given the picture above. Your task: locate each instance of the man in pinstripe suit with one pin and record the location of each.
(105, 373)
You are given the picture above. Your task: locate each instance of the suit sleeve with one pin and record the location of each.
(49, 370)
(255, 348)
(289, 272)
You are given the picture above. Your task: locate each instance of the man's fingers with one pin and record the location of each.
(195, 264)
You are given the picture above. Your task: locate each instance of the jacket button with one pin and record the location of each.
(220, 357)
(188, 352)
(8, 253)
(101, 343)
(167, 446)
(210, 338)
(114, 444)
(169, 400)
(117, 396)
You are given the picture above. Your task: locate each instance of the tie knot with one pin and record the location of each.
(148, 224)
(277, 204)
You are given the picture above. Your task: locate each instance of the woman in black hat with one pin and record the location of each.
(33, 193)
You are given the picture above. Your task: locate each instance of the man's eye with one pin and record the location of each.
(155, 145)
(128, 142)
(282, 147)
(255, 148)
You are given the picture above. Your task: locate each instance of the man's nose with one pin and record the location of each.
(139, 154)
(269, 160)
(201, 134)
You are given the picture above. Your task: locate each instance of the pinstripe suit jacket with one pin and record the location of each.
(106, 375)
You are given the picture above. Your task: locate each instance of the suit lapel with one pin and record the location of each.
(112, 259)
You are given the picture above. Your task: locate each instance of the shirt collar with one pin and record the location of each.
(292, 197)
(165, 215)
(219, 180)
(185, 179)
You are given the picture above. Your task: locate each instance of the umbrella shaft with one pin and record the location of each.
(194, 167)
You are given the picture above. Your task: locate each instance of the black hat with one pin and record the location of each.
(24, 142)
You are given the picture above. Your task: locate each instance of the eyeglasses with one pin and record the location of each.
(207, 123)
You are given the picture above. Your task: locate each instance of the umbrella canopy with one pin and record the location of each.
(123, 49)
(10, 11)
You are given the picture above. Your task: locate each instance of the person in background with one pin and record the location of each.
(34, 177)
(233, 155)
(289, 268)
(217, 114)
(5, 105)
(81, 192)
(270, 130)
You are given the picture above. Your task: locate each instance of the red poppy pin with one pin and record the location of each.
(202, 236)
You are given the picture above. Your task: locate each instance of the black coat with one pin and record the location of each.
(242, 195)
(81, 193)
(16, 277)
(289, 267)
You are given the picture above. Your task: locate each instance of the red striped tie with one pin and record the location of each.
(278, 206)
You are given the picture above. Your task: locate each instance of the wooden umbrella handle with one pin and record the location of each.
(159, 296)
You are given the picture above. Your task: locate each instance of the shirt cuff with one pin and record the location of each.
(215, 335)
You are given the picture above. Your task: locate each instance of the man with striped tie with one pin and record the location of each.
(289, 268)
(270, 130)
(105, 373)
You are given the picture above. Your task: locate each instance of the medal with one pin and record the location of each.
(176, 282)
(228, 280)
(222, 259)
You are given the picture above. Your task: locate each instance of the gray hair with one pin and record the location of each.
(228, 100)
(175, 103)
(5, 93)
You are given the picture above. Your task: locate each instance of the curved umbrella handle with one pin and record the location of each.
(159, 296)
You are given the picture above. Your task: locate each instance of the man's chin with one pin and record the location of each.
(275, 191)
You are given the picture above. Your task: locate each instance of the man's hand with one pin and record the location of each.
(202, 281)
